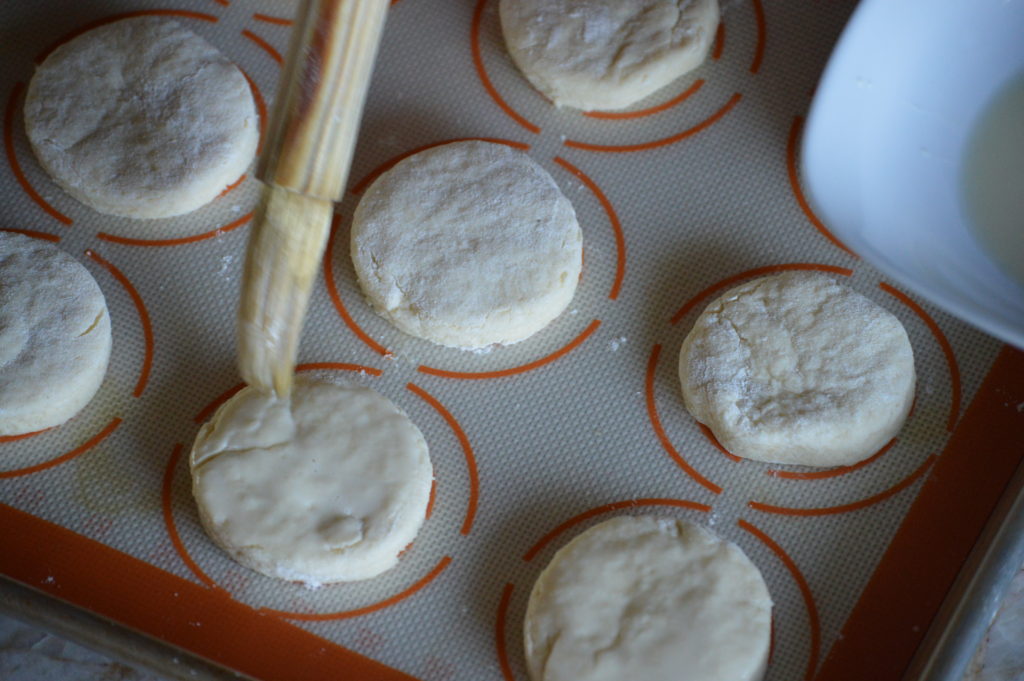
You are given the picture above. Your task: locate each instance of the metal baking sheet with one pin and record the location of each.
(696, 189)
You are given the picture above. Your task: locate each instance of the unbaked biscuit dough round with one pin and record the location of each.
(328, 485)
(795, 368)
(54, 335)
(606, 54)
(468, 245)
(648, 598)
(141, 118)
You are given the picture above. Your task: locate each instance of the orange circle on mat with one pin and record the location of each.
(140, 385)
(361, 185)
(61, 458)
(716, 54)
(439, 567)
(501, 620)
(794, 475)
(547, 538)
(687, 467)
(369, 341)
(37, 198)
(606, 205)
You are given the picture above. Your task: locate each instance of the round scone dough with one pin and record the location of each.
(796, 368)
(141, 118)
(606, 54)
(54, 335)
(468, 245)
(648, 598)
(329, 485)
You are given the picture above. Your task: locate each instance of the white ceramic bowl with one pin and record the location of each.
(884, 144)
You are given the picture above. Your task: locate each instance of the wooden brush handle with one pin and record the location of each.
(313, 126)
(305, 165)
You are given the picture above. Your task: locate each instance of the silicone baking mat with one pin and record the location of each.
(694, 190)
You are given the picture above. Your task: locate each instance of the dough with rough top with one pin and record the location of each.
(468, 244)
(54, 335)
(796, 368)
(606, 54)
(648, 598)
(329, 485)
(141, 118)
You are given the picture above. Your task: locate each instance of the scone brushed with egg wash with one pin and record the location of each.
(327, 485)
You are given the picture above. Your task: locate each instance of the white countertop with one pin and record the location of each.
(1000, 656)
(30, 654)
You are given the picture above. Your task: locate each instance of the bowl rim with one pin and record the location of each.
(815, 128)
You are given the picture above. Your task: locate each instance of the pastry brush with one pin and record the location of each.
(304, 166)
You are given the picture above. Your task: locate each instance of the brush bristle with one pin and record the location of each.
(285, 247)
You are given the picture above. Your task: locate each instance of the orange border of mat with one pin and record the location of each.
(91, 575)
(877, 641)
(894, 611)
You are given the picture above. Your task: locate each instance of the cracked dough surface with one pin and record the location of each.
(141, 118)
(468, 244)
(648, 598)
(796, 368)
(328, 485)
(54, 335)
(606, 54)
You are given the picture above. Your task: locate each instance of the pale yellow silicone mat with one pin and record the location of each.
(695, 190)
